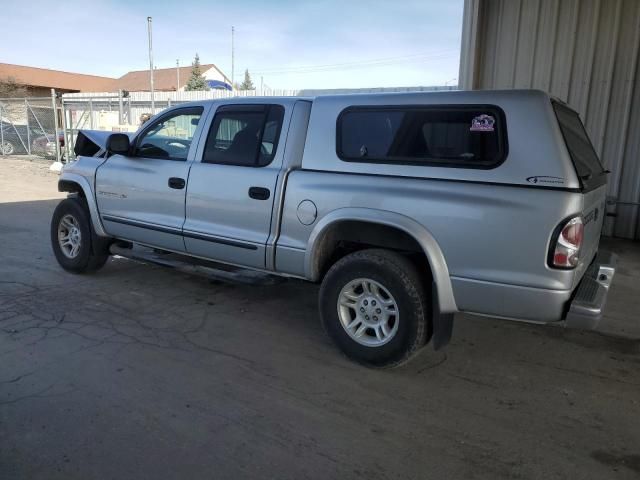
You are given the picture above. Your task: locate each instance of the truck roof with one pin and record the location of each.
(438, 97)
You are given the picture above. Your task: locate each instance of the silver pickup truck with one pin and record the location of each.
(407, 208)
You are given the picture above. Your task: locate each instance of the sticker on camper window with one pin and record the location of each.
(482, 123)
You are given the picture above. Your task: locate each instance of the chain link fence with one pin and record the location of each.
(29, 126)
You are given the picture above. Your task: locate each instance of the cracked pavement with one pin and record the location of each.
(143, 372)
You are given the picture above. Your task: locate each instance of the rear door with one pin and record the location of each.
(592, 175)
(230, 193)
(141, 195)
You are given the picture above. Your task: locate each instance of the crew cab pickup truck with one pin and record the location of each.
(407, 208)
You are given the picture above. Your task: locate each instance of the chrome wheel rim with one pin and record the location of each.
(69, 236)
(7, 148)
(368, 312)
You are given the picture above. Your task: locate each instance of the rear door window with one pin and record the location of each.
(245, 135)
(584, 157)
(455, 136)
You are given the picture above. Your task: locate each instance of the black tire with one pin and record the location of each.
(92, 253)
(402, 280)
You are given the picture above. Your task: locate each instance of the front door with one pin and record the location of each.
(230, 192)
(141, 196)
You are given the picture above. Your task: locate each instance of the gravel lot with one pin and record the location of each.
(142, 372)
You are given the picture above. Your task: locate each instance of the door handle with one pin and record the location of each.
(259, 193)
(177, 183)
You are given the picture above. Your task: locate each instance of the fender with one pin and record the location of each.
(445, 300)
(83, 183)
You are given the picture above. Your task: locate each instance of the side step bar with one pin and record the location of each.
(196, 266)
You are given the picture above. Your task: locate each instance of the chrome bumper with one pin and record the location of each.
(587, 306)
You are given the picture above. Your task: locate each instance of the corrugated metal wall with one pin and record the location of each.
(582, 51)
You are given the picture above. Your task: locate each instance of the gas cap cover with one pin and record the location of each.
(307, 212)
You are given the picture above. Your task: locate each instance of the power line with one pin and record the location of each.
(418, 58)
(361, 62)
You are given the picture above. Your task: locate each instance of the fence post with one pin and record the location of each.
(55, 123)
(71, 140)
(91, 113)
(1, 133)
(129, 110)
(26, 110)
(120, 108)
(63, 115)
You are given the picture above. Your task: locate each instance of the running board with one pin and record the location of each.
(196, 266)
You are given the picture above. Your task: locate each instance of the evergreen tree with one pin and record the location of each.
(196, 80)
(247, 84)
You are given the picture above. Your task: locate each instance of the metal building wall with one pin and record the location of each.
(585, 52)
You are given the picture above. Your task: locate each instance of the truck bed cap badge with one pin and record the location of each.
(545, 179)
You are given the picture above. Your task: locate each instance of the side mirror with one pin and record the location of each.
(118, 143)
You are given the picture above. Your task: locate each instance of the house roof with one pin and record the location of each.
(43, 77)
(164, 79)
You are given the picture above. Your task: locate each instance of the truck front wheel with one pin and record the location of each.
(71, 238)
(373, 305)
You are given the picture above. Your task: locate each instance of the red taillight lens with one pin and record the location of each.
(566, 251)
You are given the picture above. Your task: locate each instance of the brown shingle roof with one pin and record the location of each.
(164, 79)
(42, 77)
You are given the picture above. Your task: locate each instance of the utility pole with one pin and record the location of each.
(178, 74)
(153, 103)
(232, 59)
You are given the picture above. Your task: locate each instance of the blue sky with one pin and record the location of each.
(305, 44)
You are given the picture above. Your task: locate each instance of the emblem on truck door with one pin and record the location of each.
(111, 194)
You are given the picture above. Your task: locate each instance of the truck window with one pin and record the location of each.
(245, 135)
(584, 157)
(456, 136)
(169, 137)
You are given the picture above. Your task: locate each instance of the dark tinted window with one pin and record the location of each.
(244, 135)
(447, 136)
(585, 159)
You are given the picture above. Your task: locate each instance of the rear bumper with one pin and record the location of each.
(587, 304)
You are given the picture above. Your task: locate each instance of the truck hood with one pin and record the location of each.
(91, 143)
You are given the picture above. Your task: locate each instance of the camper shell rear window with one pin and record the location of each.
(584, 157)
(467, 136)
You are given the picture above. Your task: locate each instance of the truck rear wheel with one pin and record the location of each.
(72, 238)
(373, 306)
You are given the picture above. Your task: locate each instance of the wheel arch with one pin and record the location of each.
(320, 240)
(74, 183)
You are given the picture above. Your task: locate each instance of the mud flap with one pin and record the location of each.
(442, 322)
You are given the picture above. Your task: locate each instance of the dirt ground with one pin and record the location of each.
(142, 372)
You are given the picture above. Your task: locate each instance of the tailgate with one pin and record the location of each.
(593, 180)
(593, 213)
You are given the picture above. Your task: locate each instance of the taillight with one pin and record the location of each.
(565, 253)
